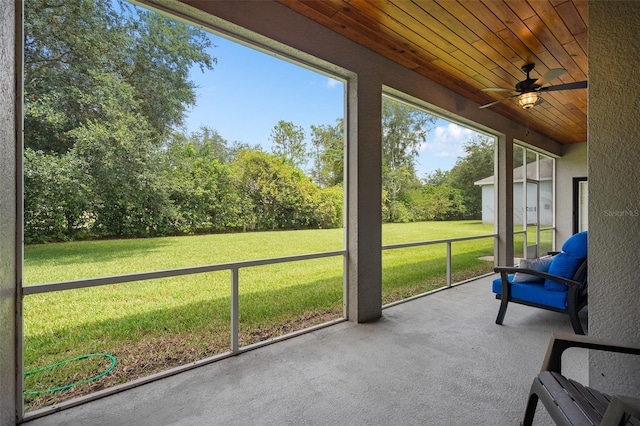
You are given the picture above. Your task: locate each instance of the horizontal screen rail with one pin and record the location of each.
(433, 242)
(448, 242)
(140, 276)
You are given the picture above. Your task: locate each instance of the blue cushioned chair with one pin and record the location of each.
(563, 288)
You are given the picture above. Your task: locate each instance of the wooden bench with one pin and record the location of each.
(569, 402)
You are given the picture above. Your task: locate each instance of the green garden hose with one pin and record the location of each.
(57, 364)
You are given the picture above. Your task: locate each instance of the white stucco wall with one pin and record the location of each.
(614, 192)
(572, 164)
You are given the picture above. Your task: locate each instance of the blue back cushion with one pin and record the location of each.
(564, 266)
(566, 263)
(576, 245)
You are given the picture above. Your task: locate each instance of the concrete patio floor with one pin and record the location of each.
(437, 360)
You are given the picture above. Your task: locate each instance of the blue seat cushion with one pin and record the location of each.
(533, 292)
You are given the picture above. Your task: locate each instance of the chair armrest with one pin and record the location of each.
(620, 409)
(562, 341)
(561, 280)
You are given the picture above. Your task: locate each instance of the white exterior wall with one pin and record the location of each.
(546, 204)
(572, 164)
(545, 207)
(488, 204)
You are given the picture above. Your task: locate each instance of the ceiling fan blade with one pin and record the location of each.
(497, 102)
(567, 86)
(552, 74)
(497, 89)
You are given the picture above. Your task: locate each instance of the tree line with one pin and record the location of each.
(106, 89)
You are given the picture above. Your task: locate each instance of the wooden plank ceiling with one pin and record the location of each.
(468, 45)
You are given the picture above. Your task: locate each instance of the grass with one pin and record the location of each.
(155, 325)
(544, 245)
(416, 270)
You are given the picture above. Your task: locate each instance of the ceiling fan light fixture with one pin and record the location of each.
(528, 100)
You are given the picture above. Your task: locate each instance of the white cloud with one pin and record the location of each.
(331, 83)
(446, 141)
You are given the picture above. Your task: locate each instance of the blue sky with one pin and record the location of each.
(248, 92)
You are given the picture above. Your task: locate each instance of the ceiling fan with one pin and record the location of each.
(527, 90)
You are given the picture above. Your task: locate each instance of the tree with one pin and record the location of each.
(157, 63)
(70, 45)
(397, 184)
(404, 128)
(275, 195)
(63, 41)
(210, 144)
(105, 84)
(437, 203)
(328, 155)
(288, 142)
(475, 165)
(128, 197)
(56, 204)
(201, 185)
(436, 178)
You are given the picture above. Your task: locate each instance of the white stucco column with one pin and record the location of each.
(504, 200)
(9, 405)
(364, 201)
(614, 194)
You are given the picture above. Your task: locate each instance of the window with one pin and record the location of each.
(533, 200)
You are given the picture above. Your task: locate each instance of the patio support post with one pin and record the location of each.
(10, 402)
(364, 200)
(504, 200)
(614, 194)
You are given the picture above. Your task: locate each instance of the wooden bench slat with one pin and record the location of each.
(592, 408)
(565, 403)
(579, 404)
(600, 401)
(603, 397)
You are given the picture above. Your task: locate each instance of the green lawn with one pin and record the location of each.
(544, 245)
(154, 325)
(410, 271)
